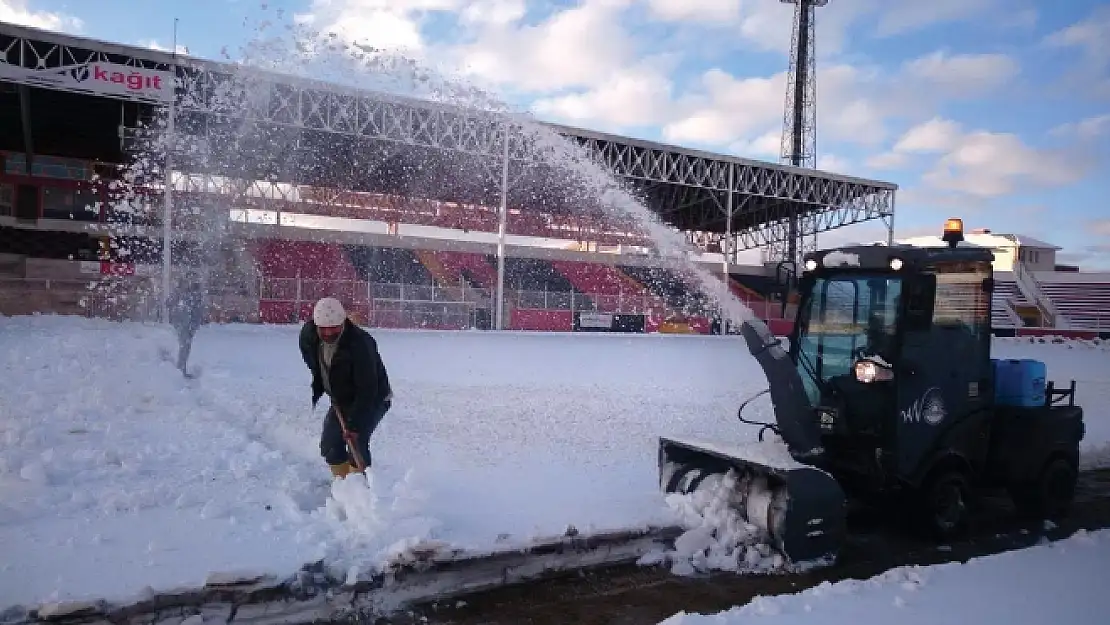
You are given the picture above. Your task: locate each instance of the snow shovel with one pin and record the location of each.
(352, 442)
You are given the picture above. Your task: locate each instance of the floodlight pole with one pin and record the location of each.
(167, 208)
(502, 226)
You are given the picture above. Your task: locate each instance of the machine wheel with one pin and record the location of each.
(1051, 495)
(946, 504)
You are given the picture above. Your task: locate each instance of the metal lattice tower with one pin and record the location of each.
(799, 125)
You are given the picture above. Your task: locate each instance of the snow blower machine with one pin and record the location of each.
(887, 393)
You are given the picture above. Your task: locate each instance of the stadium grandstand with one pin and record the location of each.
(414, 213)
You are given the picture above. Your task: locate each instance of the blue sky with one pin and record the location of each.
(997, 111)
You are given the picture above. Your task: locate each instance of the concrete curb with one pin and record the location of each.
(311, 596)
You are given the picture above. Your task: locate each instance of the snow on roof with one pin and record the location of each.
(935, 241)
(1027, 241)
(979, 239)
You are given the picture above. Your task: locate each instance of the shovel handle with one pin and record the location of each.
(352, 441)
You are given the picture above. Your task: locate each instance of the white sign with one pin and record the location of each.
(111, 79)
(595, 320)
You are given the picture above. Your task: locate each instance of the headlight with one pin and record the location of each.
(868, 371)
(811, 265)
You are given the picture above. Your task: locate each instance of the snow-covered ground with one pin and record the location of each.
(1061, 582)
(116, 474)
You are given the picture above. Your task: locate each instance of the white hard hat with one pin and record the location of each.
(328, 312)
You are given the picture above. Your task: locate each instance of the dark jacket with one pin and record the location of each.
(358, 380)
(187, 308)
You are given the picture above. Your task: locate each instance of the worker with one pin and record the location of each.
(186, 312)
(345, 363)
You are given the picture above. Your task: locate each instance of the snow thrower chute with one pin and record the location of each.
(801, 508)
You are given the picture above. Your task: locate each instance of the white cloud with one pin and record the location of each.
(963, 75)
(1100, 227)
(1091, 35)
(901, 17)
(988, 164)
(1085, 129)
(639, 96)
(154, 45)
(497, 12)
(721, 12)
(1090, 76)
(980, 164)
(385, 24)
(583, 46)
(833, 163)
(18, 12)
(887, 160)
(767, 146)
(856, 104)
(729, 109)
(935, 135)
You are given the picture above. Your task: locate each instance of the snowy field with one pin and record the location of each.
(118, 476)
(1062, 583)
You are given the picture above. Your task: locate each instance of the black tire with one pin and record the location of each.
(946, 505)
(1051, 495)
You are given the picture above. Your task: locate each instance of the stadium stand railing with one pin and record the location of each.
(1084, 300)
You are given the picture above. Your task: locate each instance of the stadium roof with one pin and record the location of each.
(422, 146)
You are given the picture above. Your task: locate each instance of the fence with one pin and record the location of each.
(288, 299)
(125, 298)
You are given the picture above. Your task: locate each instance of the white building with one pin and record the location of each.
(1009, 249)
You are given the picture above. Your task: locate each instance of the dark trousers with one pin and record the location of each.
(185, 336)
(332, 446)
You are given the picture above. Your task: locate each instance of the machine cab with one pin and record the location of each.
(893, 345)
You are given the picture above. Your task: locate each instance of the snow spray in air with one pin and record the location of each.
(241, 145)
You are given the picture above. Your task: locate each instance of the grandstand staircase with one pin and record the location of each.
(473, 264)
(605, 283)
(1031, 289)
(439, 272)
(447, 272)
(1007, 296)
(656, 305)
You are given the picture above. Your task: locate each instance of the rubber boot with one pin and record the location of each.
(341, 470)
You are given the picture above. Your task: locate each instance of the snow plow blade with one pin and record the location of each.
(802, 509)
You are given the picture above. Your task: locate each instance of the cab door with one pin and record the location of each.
(946, 367)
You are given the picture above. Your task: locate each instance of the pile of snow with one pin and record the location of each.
(118, 476)
(727, 516)
(726, 531)
(1060, 582)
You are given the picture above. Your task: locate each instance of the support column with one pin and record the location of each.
(890, 224)
(726, 251)
(167, 223)
(502, 226)
(167, 211)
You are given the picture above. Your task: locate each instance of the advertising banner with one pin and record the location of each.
(607, 322)
(99, 78)
(595, 321)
